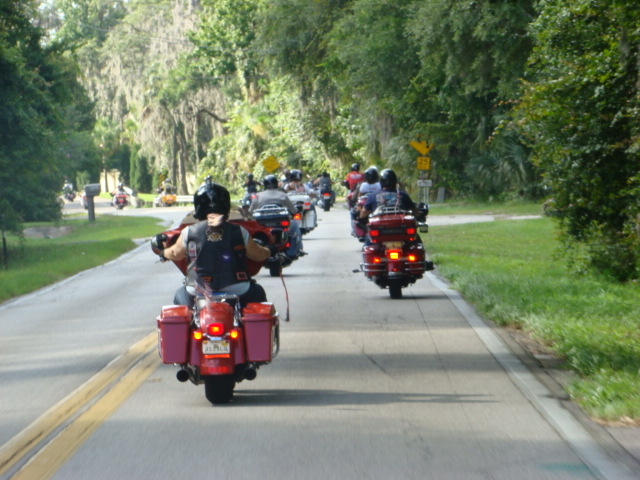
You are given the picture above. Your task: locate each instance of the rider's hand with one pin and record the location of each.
(157, 241)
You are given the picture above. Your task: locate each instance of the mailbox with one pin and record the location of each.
(92, 190)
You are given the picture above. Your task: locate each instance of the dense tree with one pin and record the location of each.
(581, 115)
(42, 112)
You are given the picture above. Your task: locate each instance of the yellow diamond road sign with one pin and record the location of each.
(270, 163)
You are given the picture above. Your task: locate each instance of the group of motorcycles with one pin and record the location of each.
(219, 344)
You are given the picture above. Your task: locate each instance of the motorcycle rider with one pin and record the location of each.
(370, 186)
(295, 183)
(271, 194)
(216, 249)
(119, 190)
(251, 186)
(324, 184)
(389, 196)
(351, 181)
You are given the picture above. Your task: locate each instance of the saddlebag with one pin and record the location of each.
(259, 331)
(173, 334)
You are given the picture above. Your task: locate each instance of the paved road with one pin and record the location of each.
(364, 386)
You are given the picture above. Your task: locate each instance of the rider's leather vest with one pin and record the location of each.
(218, 255)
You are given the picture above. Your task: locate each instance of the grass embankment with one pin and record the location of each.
(42, 261)
(511, 272)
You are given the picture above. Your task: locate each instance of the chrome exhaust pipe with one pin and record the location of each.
(182, 375)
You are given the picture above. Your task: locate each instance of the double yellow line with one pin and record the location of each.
(138, 362)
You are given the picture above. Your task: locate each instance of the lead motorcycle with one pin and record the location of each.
(218, 343)
(395, 257)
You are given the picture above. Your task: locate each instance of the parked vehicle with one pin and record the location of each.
(218, 343)
(395, 257)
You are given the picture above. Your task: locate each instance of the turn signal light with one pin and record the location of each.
(376, 260)
(215, 329)
(412, 257)
(297, 216)
(197, 335)
(234, 334)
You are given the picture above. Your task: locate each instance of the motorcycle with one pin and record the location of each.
(277, 216)
(395, 258)
(306, 211)
(247, 199)
(218, 343)
(165, 199)
(120, 200)
(325, 199)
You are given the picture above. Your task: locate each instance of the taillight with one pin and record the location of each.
(215, 329)
(411, 257)
(393, 254)
(326, 194)
(284, 223)
(377, 259)
(234, 334)
(297, 216)
(307, 205)
(374, 233)
(197, 335)
(411, 231)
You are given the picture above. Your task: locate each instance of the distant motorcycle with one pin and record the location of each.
(120, 200)
(277, 216)
(306, 211)
(325, 199)
(396, 257)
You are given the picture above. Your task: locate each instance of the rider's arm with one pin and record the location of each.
(177, 251)
(256, 252)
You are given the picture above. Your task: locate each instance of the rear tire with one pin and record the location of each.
(327, 207)
(395, 290)
(274, 270)
(219, 388)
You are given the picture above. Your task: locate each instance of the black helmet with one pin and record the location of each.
(388, 179)
(355, 167)
(296, 175)
(270, 182)
(250, 176)
(211, 198)
(371, 175)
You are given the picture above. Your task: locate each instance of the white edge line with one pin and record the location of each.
(561, 419)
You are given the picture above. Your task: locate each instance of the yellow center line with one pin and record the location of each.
(50, 458)
(21, 444)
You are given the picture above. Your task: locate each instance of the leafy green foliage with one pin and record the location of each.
(580, 114)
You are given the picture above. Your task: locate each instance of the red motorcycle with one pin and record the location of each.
(218, 343)
(120, 200)
(395, 258)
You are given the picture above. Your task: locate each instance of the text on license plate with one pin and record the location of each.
(215, 347)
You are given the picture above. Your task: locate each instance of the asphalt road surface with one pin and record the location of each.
(364, 387)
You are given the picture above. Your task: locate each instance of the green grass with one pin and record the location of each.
(511, 272)
(40, 262)
(506, 208)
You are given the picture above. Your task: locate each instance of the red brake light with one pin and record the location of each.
(393, 254)
(284, 223)
(374, 233)
(215, 329)
(326, 194)
(297, 216)
(411, 231)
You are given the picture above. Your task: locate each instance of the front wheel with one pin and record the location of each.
(219, 388)
(395, 290)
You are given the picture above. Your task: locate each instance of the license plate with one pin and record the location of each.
(393, 245)
(215, 347)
